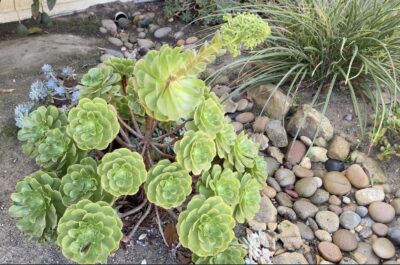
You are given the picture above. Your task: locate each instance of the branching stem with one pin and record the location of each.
(134, 210)
(160, 226)
(128, 237)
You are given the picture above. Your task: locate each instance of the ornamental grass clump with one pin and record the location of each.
(143, 136)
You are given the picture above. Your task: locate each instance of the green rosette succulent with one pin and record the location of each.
(89, 232)
(99, 82)
(234, 254)
(93, 124)
(243, 153)
(167, 184)
(209, 116)
(220, 182)
(122, 172)
(249, 199)
(206, 226)
(57, 151)
(246, 30)
(36, 126)
(37, 205)
(165, 89)
(224, 140)
(195, 151)
(83, 182)
(121, 66)
(259, 171)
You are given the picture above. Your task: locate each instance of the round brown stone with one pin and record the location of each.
(329, 251)
(345, 240)
(380, 229)
(336, 183)
(295, 153)
(381, 212)
(357, 176)
(383, 248)
(302, 172)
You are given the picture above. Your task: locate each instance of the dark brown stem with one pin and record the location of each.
(128, 237)
(173, 131)
(124, 136)
(135, 124)
(160, 227)
(134, 210)
(99, 153)
(149, 159)
(124, 144)
(162, 153)
(123, 123)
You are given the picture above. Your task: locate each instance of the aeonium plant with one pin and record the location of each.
(145, 137)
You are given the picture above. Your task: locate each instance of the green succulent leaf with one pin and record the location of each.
(89, 232)
(206, 226)
(259, 170)
(243, 153)
(249, 199)
(99, 82)
(195, 151)
(168, 184)
(121, 66)
(57, 151)
(83, 182)
(36, 126)
(225, 139)
(122, 172)
(246, 30)
(164, 88)
(220, 182)
(37, 205)
(93, 124)
(234, 254)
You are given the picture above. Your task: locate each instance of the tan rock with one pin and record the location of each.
(330, 251)
(336, 183)
(290, 235)
(339, 148)
(357, 177)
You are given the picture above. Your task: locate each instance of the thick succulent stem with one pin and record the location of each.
(134, 210)
(128, 237)
(124, 124)
(135, 124)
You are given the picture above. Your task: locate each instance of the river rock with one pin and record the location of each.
(381, 212)
(191, 40)
(380, 229)
(103, 30)
(109, 25)
(287, 213)
(327, 220)
(375, 172)
(302, 172)
(307, 120)
(305, 187)
(289, 258)
(274, 184)
(336, 183)
(266, 214)
(290, 235)
(383, 248)
(345, 240)
(268, 191)
(365, 250)
(285, 177)
(330, 251)
(261, 140)
(162, 32)
(362, 211)
(317, 154)
(318, 181)
(339, 148)
(260, 124)
(323, 235)
(305, 231)
(347, 261)
(272, 165)
(357, 176)
(242, 104)
(245, 117)
(230, 106)
(349, 220)
(336, 209)
(334, 165)
(305, 163)
(396, 205)
(146, 43)
(278, 104)
(320, 197)
(115, 41)
(276, 133)
(276, 153)
(284, 199)
(295, 153)
(333, 199)
(394, 235)
(369, 195)
(305, 209)
(237, 126)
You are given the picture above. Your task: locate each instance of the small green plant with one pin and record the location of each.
(140, 137)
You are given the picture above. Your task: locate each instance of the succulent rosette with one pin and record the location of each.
(220, 182)
(83, 182)
(99, 82)
(259, 171)
(224, 140)
(36, 126)
(249, 199)
(93, 124)
(37, 205)
(206, 226)
(168, 184)
(234, 254)
(195, 151)
(164, 88)
(121, 66)
(122, 172)
(209, 116)
(57, 151)
(89, 232)
(243, 153)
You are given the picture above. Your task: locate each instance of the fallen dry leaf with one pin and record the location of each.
(6, 90)
(170, 234)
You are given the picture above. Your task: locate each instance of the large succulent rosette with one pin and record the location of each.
(37, 205)
(206, 226)
(168, 184)
(122, 172)
(93, 124)
(249, 199)
(99, 82)
(243, 153)
(195, 151)
(165, 89)
(209, 116)
(220, 182)
(234, 254)
(89, 232)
